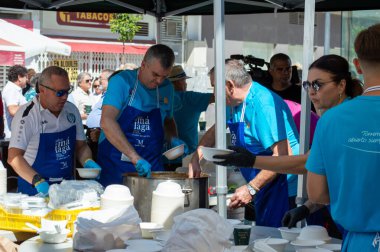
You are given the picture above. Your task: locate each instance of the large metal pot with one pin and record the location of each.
(195, 190)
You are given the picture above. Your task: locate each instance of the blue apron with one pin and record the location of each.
(271, 202)
(54, 160)
(144, 131)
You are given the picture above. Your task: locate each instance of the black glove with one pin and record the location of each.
(241, 157)
(293, 216)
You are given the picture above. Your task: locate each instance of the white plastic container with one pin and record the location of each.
(167, 201)
(3, 179)
(314, 232)
(275, 243)
(148, 227)
(116, 196)
(289, 234)
(175, 152)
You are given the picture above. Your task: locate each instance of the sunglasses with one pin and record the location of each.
(316, 85)
(96, 86)
(58, 93)
(88, 81)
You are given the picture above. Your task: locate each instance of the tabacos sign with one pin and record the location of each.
(87, 19)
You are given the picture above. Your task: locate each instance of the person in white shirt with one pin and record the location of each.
(47, 134)
(12, 95)
(96, 92)
(82, 96)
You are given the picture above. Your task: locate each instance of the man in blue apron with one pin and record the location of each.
(343, 164)
(188, 106)
(261, 122)
(46, 133)
(137, 108)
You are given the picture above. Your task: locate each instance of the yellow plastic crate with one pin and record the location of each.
(16, 222)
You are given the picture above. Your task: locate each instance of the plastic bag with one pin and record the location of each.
(106, 229)
(199, 230)
(81, 192)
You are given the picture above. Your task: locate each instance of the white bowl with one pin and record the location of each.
(107, 203)
(117, 192)
(53, 236)
(314, 232)
(147, 227)
(331, 246)
(208, 153)
(49, 225)
(302, 244)
(289, 234)
(175, 152)
(275, 243)
(89, 173)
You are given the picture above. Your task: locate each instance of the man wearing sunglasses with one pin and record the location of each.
(47, 134)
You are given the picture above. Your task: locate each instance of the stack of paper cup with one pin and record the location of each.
(3, 179)
(167, 202)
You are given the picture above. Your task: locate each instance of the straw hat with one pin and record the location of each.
(177, 73)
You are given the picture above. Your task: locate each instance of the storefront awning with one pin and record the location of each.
(11, 54)
(103, 46)
(32, 43)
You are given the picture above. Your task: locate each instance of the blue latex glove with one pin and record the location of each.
(176, 141)
(43, 188)
(143, 168)
(91, 164)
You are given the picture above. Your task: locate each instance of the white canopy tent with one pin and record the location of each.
(162, 8)
(32, 43)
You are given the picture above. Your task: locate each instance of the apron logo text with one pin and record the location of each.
(141, 124)
(62, 148)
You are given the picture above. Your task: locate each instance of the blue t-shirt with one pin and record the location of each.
(188, 106)
(346, 149)
(120, 90)
(30, 94)
(267, 120)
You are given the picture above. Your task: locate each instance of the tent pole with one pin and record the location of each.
(308, 49)
(327, 33)
(220, 104)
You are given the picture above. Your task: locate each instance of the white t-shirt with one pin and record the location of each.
(81, 98)
(26, 129)
(12, 95)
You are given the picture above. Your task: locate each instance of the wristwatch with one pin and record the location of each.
(36, 178)
(251, 190)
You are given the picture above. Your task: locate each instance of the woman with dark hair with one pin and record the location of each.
(329, 84)
(343, 164)
(332, 73)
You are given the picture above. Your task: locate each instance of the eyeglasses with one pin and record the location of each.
(58, 93)
(96, 86)
(88, 80)
(316, 85)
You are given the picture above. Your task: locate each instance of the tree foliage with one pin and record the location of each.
(126, 26)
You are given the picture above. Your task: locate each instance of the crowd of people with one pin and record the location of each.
(132, 115)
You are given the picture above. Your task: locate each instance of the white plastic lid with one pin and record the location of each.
(169, 188)
(117, 192)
